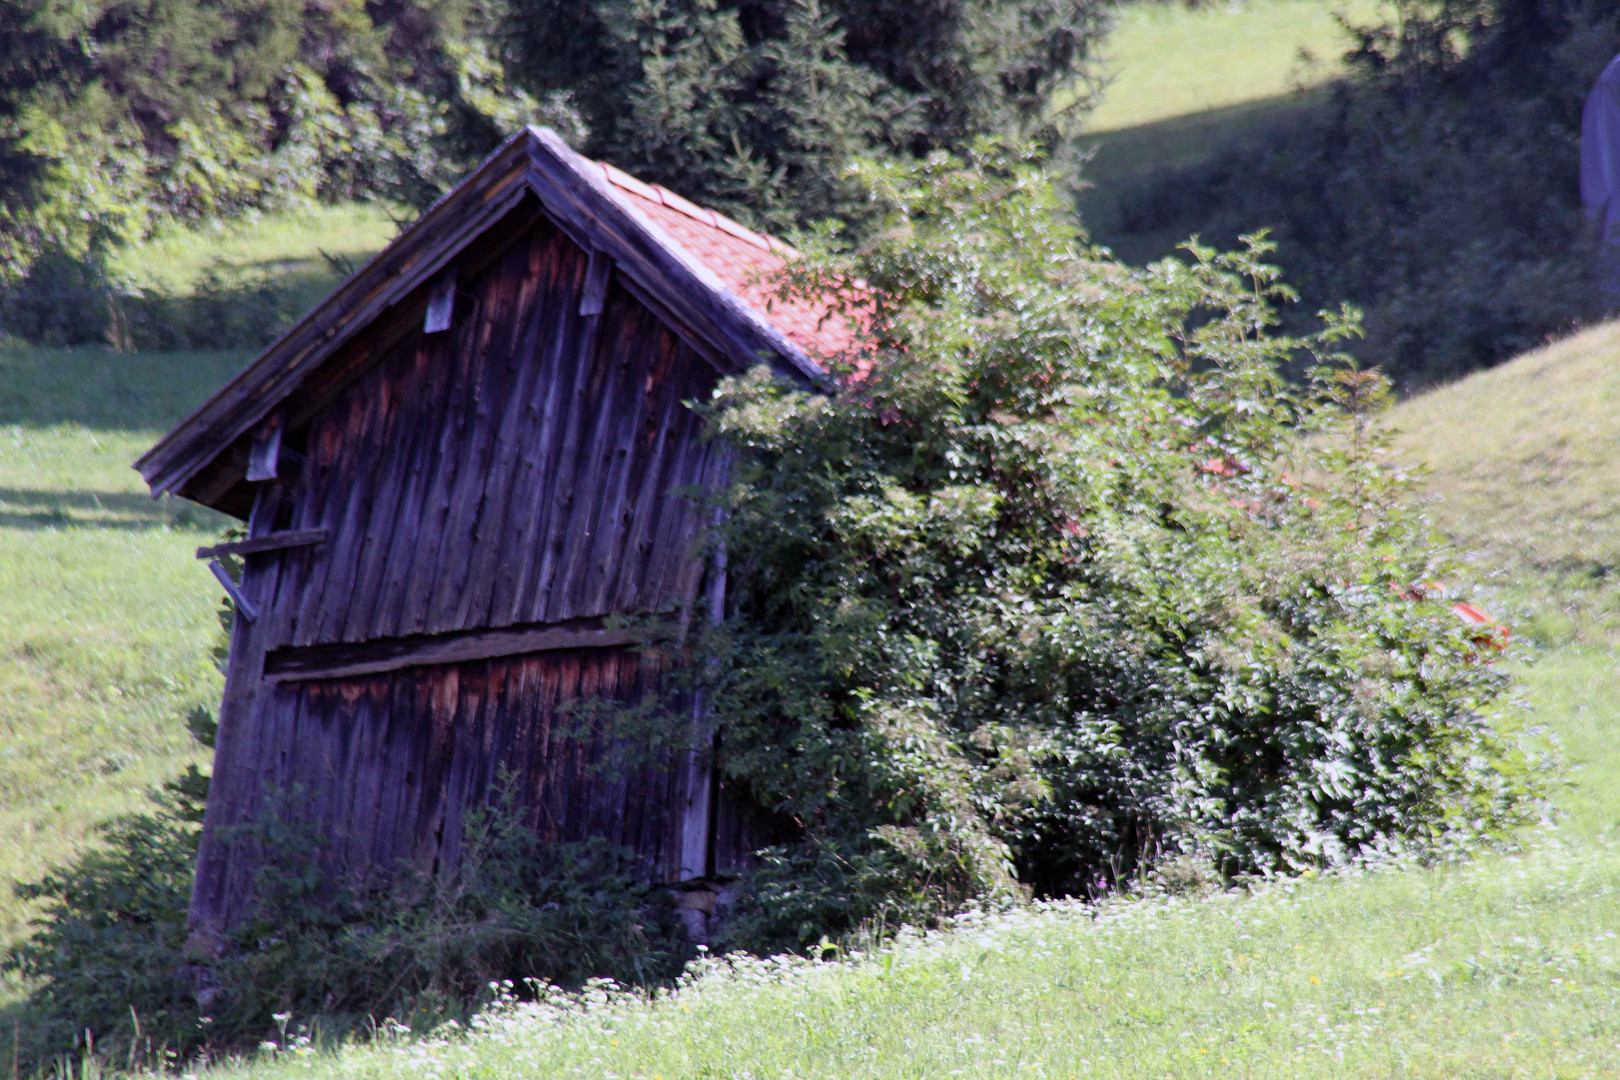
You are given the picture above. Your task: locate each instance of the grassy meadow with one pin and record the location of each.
(1522, 472)
(307, 252)
(1506, 965)
(106, 619)
(1163, 61)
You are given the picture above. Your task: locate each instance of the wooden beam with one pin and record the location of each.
(348, 661)
(268, 542)
(441, 302)
(264, 458)
(244, 607)
(697, 808)
(597, 274)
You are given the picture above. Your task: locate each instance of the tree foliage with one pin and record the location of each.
(1074, 580)
(114, 113)
(757, 106)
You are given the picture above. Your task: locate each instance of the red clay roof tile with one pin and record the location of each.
(742, 259)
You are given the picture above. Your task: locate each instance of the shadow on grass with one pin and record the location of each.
(1127, 160)
(25, 509)
(99, 388)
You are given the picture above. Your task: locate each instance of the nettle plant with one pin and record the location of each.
(1070, 578)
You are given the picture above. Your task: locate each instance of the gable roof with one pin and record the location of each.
(701, 271)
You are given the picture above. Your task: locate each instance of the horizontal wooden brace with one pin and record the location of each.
(269, 542)
(347, 661)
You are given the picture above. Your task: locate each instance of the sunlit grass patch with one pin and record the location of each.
(306, 252)
(1504, 965)
(1522, 474)
(1167, 59)
(1186, 83)
(278, 241)
(106, 619)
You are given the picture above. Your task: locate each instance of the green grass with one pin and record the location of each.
(1164, 60)
(304, 250)
(105, 618)
(1505, 966)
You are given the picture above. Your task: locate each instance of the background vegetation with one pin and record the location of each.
(1436, 187)
(1421, 166)
(1075, 581)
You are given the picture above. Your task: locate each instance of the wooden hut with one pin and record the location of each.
(455, 472)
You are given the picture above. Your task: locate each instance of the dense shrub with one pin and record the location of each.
(116, 115)
(1074, 580)
(61, 300)
(756, 107)
(228, 308)
(1438, 189)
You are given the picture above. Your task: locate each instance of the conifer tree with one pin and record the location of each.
(756, 106)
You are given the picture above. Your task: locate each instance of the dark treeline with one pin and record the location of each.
(1439, 190)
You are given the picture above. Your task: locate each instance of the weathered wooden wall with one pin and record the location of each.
(529, 470)
(387, 766)
(526, 466)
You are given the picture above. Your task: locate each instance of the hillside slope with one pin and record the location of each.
(1524, 473)
(106, 619)
(1182, 82)
(1505, 966)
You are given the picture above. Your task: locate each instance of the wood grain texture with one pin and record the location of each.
(205, 456)
(533, 471)
(386, 768)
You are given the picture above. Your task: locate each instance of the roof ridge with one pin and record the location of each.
(664, 197)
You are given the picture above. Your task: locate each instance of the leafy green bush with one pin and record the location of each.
(61, 300)
(228, 309)
(115, 116)
(1073, 580)
(756, 107)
